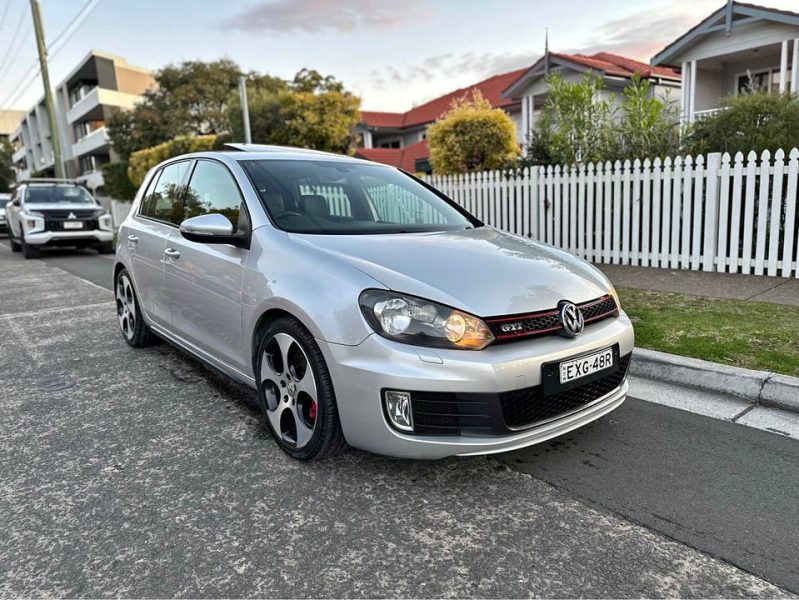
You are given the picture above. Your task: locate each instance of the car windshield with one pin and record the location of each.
(55, 194)
(332, 197)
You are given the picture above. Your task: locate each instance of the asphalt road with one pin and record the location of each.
(141, 473)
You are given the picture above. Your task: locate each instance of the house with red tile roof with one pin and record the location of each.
(737, 48)
(399, 139)
(531, 90)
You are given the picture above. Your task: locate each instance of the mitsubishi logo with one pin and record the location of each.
(571, 318)
(71, 216)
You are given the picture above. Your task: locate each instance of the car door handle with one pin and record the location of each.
(132, 239)
(172, 253)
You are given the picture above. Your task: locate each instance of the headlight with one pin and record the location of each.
(32, 220)
(417, 321)
(615, 296)
(104, 221)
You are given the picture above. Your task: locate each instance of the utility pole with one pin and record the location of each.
(245, 109)
(48, 92)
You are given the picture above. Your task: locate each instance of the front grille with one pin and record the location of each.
(58, 225)
(547, 322)
(526, 407)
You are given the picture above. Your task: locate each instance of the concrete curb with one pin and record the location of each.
(757, 387)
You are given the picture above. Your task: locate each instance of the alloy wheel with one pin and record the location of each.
(290, 390)
(126, 306)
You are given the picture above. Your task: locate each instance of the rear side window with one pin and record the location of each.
(162, 202)
(212, 189)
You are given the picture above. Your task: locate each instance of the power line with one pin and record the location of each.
(5, 12)
(77, 21)
(7, 66)
(16, 33)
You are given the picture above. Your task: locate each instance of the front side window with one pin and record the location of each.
(331, 197)
(212, 189)
(162, 201)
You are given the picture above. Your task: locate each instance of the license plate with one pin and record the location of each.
(73, 225)
(571, 370)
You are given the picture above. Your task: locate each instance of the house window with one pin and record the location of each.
(394, 144)
(761, 81)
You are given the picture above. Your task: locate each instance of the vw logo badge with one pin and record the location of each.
(571, 318)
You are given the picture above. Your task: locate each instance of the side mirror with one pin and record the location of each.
(15, 201)
(212, 229)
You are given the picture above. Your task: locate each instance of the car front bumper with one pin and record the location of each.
(66, 238)
(361, 373)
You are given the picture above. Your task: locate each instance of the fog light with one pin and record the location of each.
(398, 407)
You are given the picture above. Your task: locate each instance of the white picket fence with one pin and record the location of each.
(714, 213)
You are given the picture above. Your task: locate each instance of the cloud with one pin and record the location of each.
(469, 67)
(398, 87)
(642, 34)
(312, 16)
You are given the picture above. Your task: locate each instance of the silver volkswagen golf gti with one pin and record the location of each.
(365, 307)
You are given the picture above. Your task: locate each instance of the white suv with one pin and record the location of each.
(57, 213)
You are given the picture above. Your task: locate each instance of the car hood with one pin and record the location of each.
(483, 271)
(45, 206)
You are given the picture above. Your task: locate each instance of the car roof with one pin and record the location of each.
(242, 152)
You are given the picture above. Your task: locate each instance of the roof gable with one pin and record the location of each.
(723, 19)
(606, 63)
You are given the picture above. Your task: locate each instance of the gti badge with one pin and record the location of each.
(571, 318)
(512, 327)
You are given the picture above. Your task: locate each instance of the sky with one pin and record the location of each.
(394, 54)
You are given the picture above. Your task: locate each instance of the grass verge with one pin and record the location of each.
(754, 335)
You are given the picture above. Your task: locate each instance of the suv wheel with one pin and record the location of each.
(15, 245)
(29, 251)
(131, 322)
(296, 392)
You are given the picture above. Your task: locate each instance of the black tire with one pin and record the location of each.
(108, 248)
(15, 245)
(29, 251)
(132, 326)
(327, 439)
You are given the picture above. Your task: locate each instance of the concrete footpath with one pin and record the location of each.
(757, 288)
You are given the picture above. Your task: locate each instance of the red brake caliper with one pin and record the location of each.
(312, 410)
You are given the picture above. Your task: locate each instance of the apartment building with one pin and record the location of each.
(99, 85)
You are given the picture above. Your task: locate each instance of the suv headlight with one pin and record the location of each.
(413, 320)
(104, 221)
(32, 220)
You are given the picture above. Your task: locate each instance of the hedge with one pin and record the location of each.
(143, 160)
(116, 181)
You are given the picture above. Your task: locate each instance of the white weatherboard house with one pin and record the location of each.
(531, 88)
(737, 48)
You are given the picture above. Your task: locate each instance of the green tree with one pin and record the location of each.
(754, 121)
(647, 127)
(7, 175)
(472, 136)
(574, 123)
(194, 95)
(191, 98)
(116, 181)
(264, 98)
(312, 111)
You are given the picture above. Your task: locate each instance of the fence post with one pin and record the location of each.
(711, 225)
